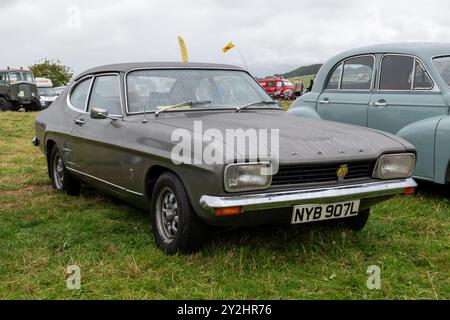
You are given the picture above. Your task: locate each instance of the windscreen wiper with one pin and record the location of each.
(254, 104)
(181, 104)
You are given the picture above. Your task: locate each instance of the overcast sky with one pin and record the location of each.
(273, 36)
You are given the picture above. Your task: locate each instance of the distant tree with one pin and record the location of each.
(52, 69)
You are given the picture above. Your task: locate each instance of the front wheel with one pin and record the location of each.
(61, 178)
(175, 225)
(5, 105)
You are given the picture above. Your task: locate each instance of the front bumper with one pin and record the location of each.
(280, 199)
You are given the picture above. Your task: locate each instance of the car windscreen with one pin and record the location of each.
(442, 65)
(152, 90)
(46, 92)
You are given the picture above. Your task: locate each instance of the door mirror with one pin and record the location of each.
(97, 113)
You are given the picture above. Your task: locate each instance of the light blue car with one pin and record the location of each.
(401, 88)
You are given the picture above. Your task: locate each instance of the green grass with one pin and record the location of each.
(42, 232)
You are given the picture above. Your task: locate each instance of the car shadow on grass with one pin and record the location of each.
(427, 188)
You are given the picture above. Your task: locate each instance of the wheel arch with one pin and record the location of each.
(152, 175)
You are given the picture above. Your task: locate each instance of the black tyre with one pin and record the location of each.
(356, 223)
(61, 178)
(175, 225)
(5, 105)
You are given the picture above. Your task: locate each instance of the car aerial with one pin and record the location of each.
(116, 128)
(18, 90)
(274, 85)
(401, 88)
(46, 92)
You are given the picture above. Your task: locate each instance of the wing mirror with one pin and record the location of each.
(97, 113)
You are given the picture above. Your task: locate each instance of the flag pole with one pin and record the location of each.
(242, 57)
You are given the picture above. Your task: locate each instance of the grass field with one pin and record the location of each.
(43, 232)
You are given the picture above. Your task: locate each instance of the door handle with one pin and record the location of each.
(380, 103)
(324, 101)
(79, 122)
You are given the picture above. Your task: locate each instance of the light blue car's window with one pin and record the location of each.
(396, 72)
(357, 73)
(151, 90)
(335, 79)
(422, 80)
(442, 65)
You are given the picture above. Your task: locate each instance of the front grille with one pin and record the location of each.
(323, 172)
(26, 90)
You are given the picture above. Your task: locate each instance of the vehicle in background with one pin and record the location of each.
(59, 90)
(46, 92)
(401, 88)
(278, 88)
(18, 90)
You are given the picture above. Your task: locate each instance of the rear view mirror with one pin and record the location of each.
(97, 113)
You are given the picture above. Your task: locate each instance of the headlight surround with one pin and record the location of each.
(395, 166)
(247, 176)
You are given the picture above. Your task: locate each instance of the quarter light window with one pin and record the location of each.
(79, 94)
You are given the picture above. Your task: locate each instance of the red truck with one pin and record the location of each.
(278, 87)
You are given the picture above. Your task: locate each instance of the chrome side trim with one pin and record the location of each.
(104, 181)
(320, 195)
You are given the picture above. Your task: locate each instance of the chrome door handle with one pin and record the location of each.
(380, 104)
(79, 122)
(324, 101)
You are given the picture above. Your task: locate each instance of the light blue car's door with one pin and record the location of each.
(347, 93)
(405, 95)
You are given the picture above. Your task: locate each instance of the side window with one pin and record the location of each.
(422, 80)
(2, 78)
(396, 72)
(335, 79)
(357, 73)
(270, 84)
(80, 93)
(105, 94)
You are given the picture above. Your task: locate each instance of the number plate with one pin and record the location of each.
(317, 212)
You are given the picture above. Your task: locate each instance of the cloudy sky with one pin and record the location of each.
(273, 36)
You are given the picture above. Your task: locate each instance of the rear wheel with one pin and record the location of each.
(356, 223)
(5, 105)
(175, 225)
(61, 178)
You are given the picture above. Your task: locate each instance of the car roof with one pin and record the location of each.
(427, 49)
(126, 67)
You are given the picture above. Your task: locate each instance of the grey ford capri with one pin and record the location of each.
(202, 147)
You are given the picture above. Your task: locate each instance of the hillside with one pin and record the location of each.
(303, 71)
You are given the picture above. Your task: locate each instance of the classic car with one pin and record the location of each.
(401, 88)
(274, 85)
(113, 128)
(18, 90)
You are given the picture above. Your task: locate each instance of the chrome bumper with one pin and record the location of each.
(319, 195)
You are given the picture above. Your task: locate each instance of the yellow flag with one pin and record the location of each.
(229, 46)
(183, 49)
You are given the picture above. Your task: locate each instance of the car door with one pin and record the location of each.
(96, 150)
(405, 94)
(347, 93)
